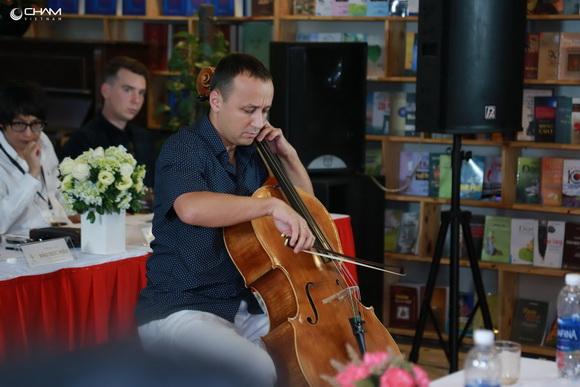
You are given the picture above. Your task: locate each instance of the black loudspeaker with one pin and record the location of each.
(470, 66)
(319, 102)
(358, 197)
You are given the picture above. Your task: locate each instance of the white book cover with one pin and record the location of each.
(571, 178)
(549, 245)
(569, 58)
(324, 7)
(523, 236)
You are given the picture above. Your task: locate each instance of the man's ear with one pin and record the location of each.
(215, 100)
(105, 90)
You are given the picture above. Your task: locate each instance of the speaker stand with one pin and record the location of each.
(452, 218)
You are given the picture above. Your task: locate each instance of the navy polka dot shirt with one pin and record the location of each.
(190, 267)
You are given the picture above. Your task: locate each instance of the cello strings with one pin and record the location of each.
(298, 205)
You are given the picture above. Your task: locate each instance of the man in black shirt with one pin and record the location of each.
(123, 92)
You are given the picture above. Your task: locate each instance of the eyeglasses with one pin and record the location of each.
(35, 126)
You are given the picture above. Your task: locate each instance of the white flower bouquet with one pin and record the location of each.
(102, 181)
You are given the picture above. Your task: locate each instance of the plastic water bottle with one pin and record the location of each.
(482, 365)
(568, 346)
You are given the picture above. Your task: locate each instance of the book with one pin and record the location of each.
(357, 7)
(549, 7)
(471, 184)
(378, 8)
(476, 227)
(569, 56)
(575, 122)
(398, 113)
(571, 183)
(531, 56)
(528, 180)
(548, 56)
(373, 159)
(324, 7)
(528, 130)
(434, 173)
(404, 304)
(100, 7)
(262, 8)
(410, 110)
(440, 307)
(551, 336)
(66, 6)
(549, 244)
(551, 181)
(414, 173)
(496, 239)
(466, 304)
(552, 119)
(392, 227)
(445, 176)
(339, 7)
(378, 111)
(304, 7)
(156, 35)
(256, 38)
(409, 67)
(492, 178)
(407, 242)
(523, 239)
(529, 321)
(134, 7)
(493, 305)
(571, 255)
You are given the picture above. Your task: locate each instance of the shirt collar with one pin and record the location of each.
(12, 152)
(209, 133)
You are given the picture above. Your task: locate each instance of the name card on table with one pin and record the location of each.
(46, 252)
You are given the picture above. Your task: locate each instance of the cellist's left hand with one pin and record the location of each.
(276, 140)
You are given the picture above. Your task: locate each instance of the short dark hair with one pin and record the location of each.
(233, 65)
(21, 98)
(124, 62)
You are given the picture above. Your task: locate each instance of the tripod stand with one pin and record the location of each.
(454, 217)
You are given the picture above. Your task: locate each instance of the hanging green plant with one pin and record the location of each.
(189, 55)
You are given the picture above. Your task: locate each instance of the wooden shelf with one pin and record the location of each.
(561, 82)
(504, 267)
(544, 145)
(394, 79)
(348, 18)
(553, 17)
(444, 141)
(543, 208)
(430, 200)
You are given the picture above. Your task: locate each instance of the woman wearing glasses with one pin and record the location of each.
(28, 163)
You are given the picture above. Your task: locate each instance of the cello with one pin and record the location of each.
(312, 302)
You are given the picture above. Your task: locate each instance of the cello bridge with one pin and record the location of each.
(346, 292)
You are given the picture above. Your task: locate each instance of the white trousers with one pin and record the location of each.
(236, 345)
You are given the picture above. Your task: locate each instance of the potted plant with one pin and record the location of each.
(190, 54)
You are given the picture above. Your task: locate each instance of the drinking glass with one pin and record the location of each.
(510, 354)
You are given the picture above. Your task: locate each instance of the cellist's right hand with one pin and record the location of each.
(291, 224)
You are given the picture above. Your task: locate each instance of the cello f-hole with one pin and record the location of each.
(311, 301)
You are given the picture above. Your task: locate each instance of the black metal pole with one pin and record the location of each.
(456, 160)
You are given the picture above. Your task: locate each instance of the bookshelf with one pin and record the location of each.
(285, 26)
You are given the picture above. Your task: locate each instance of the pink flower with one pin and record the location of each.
(421, 377)
(372, 359)
(351, 374)
(397, 377)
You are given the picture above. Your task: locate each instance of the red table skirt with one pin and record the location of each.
(70, 308)
(76, 308)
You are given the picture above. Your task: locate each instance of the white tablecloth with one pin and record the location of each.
(13, 264)
(533, 373)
